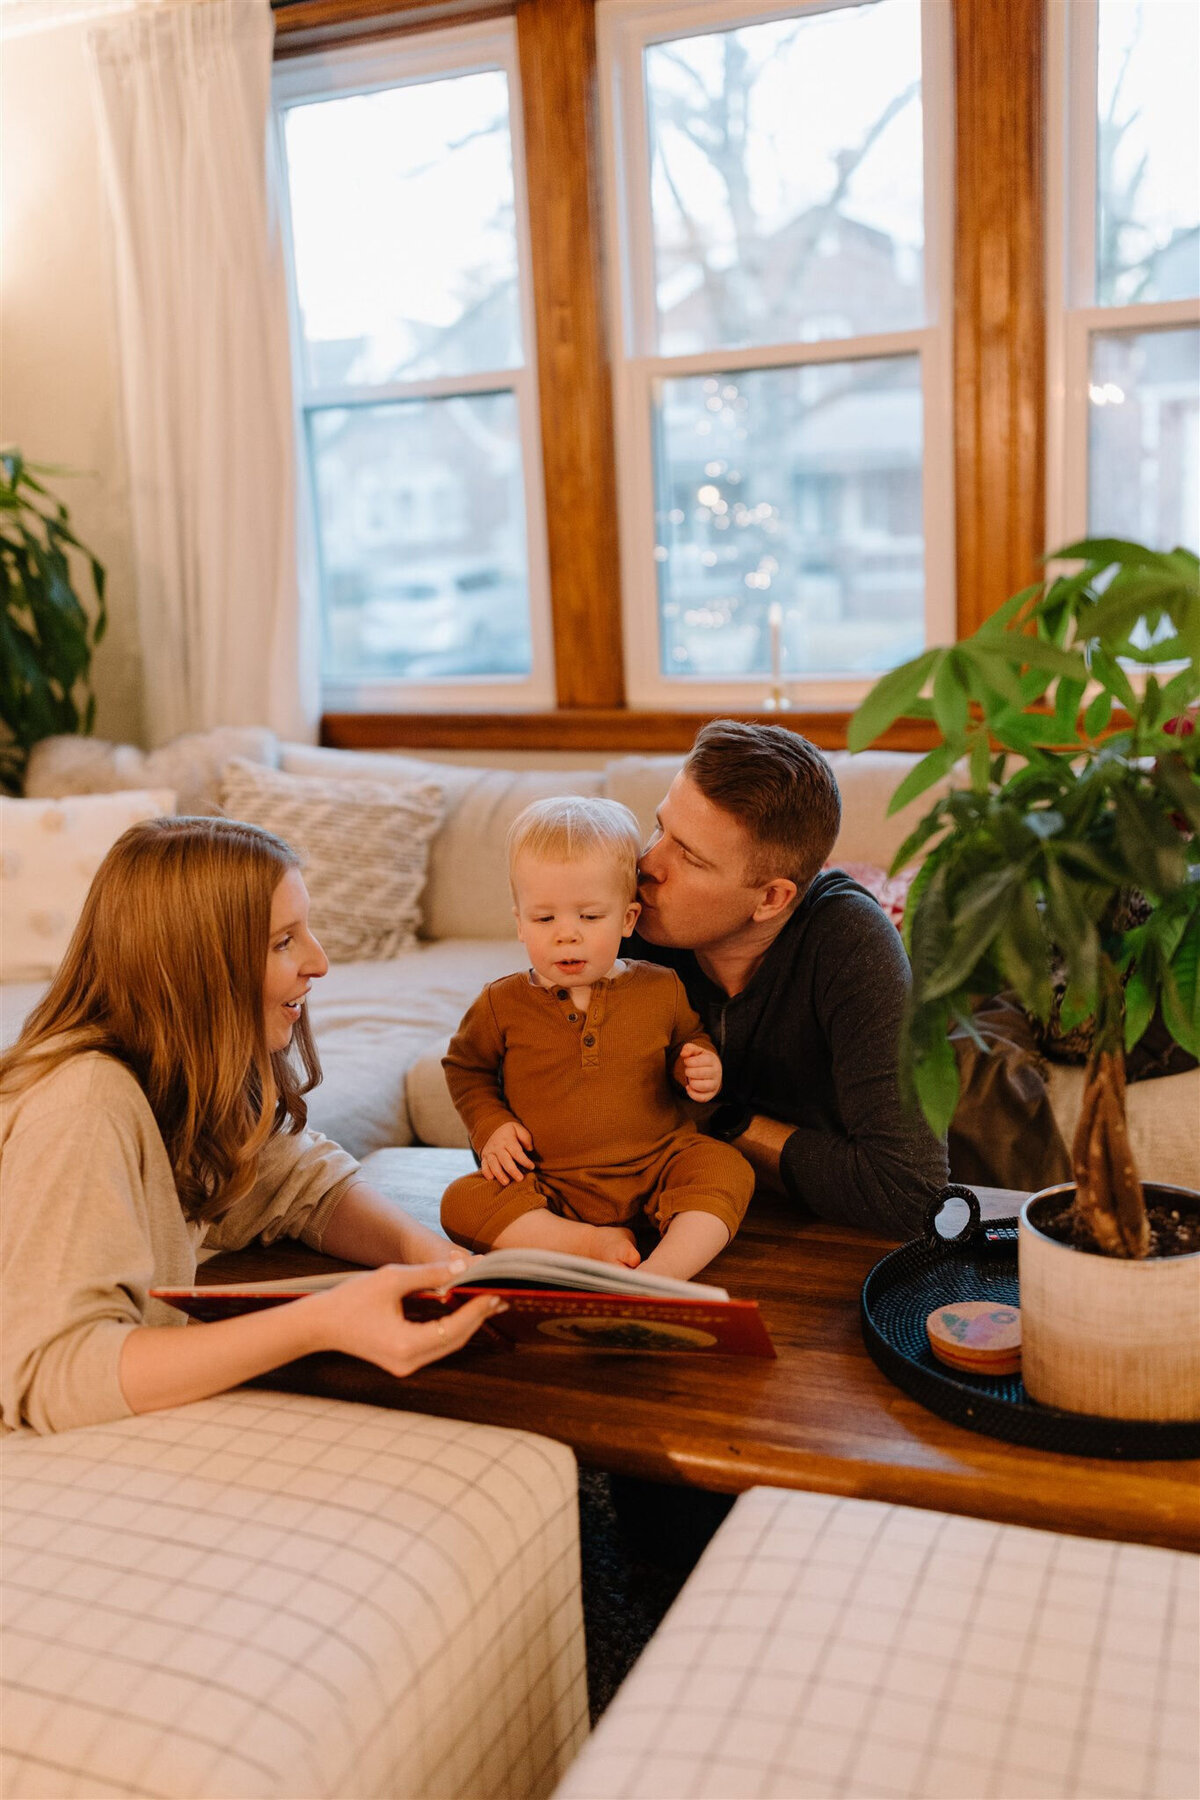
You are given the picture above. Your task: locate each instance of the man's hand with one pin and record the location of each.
(700, 1072)
(762, 1146)
(505, 1157)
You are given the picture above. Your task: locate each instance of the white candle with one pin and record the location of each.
(775, 623)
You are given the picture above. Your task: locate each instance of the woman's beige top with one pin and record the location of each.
(90, 1220)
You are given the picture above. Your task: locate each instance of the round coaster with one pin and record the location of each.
(981, 1336)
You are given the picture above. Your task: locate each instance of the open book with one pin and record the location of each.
(554, 1300)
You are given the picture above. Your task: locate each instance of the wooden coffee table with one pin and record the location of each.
(822, 1416)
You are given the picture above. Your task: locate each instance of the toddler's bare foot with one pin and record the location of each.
(610, 1243)
(544, 1230)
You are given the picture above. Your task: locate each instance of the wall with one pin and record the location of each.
(59, 395)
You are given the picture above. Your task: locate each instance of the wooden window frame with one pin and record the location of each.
(998, 358)
(1074, 315)
(625, 30)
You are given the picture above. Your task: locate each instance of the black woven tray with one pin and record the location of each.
(900, 1293)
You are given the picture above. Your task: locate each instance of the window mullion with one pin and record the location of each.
(876, 345)
(556, 50)
(446, 387)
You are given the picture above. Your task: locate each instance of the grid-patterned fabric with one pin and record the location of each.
(264, 1594)
(827, 1647)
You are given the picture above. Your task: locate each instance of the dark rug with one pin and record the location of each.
(639, 1541)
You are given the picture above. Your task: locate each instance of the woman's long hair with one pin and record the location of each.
(165, 973)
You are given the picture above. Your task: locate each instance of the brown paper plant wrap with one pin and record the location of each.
(1069, 809)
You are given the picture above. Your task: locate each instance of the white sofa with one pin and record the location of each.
(381, 1026)
(827, 1648)
(272, 1597)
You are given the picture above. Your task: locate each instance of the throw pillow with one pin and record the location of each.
(191, 764)
(364, 846)
(49, 851)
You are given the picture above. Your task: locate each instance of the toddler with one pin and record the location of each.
(567, 1076)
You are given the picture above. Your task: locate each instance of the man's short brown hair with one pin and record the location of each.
(779, 786)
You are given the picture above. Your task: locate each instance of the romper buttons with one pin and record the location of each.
(571, 1017)
(589, 1039)
(560, 993)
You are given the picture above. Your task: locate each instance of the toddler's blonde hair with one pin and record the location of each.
(571, 826)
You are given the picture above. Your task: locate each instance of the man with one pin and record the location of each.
(798, 975)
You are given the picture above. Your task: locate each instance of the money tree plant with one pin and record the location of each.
(1073, 712)
(46, 635)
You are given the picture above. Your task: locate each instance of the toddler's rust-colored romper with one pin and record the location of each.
(610, 1137)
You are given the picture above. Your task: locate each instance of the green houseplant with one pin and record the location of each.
(1072, 852)
(1069, 810)
(46, 635)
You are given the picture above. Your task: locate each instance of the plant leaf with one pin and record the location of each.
(935, 1079)
(1004, 618)
(1104, 551)
(1078, 1005)
(950, 700)
(974, 925)
(1040, 655)
(1139, 1007)
(1181, 989)
(1180, 783)
(981, 761)
(889, 699)
(1107, 670)
(992, 662)
(1025, 953)
(931, 768)
(1153, 851)
(1074, 932)
(916, 840)
(1098, 713)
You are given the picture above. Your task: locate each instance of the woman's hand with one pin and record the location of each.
(505, 1157)
(364, 1316)
(700, 1071)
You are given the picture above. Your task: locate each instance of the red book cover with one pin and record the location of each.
(546, 1317)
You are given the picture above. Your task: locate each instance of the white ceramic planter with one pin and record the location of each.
(1104, 1335)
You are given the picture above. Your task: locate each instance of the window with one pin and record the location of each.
(778, 196)
(413, 358)
(1124, 260)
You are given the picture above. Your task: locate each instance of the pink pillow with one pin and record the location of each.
(891, 891)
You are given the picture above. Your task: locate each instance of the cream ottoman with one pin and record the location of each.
(831, 1647)
(265, 1594)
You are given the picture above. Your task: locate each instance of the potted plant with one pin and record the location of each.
(46, 636)
(1076, 840)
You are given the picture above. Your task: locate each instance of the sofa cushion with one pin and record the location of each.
(364, 846)
(828, 1647)
(190, 764)
(867, 782)
(639, 782)
(49, 852)
(1163, 1116)
(431, 1111)
(270, 1595)
(467, 893)
(372, 1021)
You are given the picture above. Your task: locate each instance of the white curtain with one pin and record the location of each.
(183, 104)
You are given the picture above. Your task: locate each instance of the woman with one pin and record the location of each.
(151, 1104)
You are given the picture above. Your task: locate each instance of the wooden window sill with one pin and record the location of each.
(616, 730)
